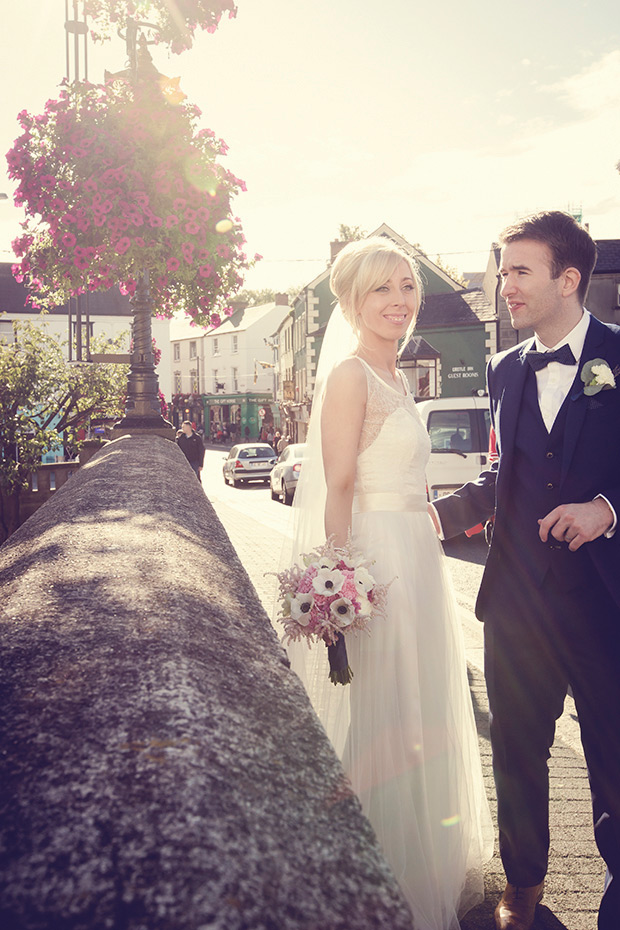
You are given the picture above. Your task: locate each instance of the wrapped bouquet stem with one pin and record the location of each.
(328, 597)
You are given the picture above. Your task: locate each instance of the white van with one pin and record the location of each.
(459, 432)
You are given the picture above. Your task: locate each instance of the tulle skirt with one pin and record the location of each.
(405, 728)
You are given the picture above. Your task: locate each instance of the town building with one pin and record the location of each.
(104, 314)
(454, 338)
(224, 379)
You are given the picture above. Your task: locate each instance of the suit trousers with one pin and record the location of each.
(538, 641)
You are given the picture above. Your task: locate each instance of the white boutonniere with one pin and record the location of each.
(597, 376)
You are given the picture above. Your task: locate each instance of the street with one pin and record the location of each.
(259, 526)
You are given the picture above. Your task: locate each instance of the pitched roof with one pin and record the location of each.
(608, 256)
(182, 328)
(458, 308)
(100, 303)
(417, 347)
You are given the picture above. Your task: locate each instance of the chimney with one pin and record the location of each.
(334, 248)
(281, 300)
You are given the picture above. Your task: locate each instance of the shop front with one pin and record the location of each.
(187, 407)
(237, 417)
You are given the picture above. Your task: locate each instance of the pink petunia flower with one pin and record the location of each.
(171, 220)
(192, 228)
(173, 264)
(205, 271)
(69, 240)
(122, 245)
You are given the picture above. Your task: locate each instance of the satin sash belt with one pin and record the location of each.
(389, 500)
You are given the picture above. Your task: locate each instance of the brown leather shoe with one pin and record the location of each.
(516, 907)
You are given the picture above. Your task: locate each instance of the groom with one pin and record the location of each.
(550, 594)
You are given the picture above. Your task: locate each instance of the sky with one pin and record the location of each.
(444, 120)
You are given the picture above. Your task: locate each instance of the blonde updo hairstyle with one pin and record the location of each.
(364, 265)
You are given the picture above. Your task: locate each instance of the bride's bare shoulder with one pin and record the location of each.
(349, 374)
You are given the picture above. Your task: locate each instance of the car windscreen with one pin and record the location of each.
(256, 452)
(298, 450)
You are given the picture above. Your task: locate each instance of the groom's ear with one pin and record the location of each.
(570, 279)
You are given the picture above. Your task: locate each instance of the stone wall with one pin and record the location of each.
(160, 766)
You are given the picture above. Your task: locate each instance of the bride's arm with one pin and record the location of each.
(342, 417)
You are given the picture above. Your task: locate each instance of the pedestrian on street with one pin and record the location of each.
(191, 446)
(283, 442)
(550, 593)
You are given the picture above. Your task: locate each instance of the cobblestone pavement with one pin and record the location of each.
(259, 527)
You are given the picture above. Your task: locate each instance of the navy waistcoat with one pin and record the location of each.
(535, 484)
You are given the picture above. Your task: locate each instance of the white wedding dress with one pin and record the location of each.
(404, 728)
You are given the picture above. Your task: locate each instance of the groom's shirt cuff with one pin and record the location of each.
(612, 529)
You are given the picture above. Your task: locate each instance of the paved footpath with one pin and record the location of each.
(258, 529)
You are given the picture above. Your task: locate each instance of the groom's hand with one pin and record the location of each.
(577, 524)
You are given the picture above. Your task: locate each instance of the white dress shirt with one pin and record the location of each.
(555, 381)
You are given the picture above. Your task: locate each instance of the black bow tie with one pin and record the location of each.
(539, 360)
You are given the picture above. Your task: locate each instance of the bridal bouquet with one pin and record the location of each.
(328, 597)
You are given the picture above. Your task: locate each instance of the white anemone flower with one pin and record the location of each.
(364, 581)
(301, 605)
(325, 562)
(342, 611)
(328, 581)
(365, 606)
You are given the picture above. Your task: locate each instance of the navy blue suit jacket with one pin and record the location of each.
(590, 462)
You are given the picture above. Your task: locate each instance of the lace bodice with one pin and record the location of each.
(394, 445)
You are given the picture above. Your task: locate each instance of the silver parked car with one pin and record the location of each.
(249, 461)
(284, 477)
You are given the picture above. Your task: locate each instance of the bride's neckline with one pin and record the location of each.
(382, 380)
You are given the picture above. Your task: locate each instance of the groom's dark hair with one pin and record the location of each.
(571, 245)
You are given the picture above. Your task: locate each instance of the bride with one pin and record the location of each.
(404, 727)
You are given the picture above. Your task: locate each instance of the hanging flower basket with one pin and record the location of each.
(175, 21)
(117, 179)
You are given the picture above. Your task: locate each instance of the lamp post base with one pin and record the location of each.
(151, 425)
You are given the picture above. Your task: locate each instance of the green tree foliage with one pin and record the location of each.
(265, 295)
(350, 233)
(43, 397)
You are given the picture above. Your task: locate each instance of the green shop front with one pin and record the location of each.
(243, 415)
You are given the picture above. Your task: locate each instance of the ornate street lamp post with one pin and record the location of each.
(142, 407)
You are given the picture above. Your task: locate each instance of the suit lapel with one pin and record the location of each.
(508, 408)
(510, 401)
(578, 401)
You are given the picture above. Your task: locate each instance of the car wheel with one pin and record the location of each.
(274, 496)
(288, 495)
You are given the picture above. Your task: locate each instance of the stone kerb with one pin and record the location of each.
(160, 766)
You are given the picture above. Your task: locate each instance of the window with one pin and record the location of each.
(192, 350)
(235, 343)
(193, 378)
(177, 351)
(215, 345)
(215, 381)
(422, 377)
(450, 430)
(177, 382)
(234, 377)
(6, 332)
